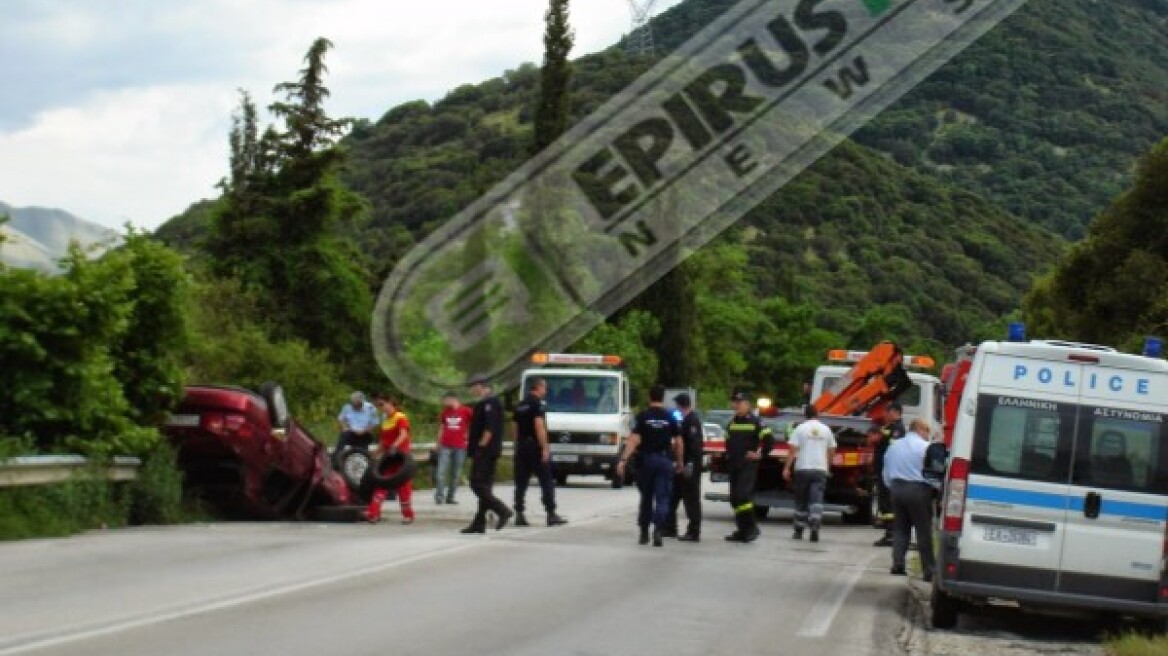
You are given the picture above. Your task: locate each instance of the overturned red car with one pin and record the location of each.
(246, 458)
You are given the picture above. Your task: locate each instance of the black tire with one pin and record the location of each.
(277, 405)
(352, 463)
(863, 515)
(398, 478)
(761, 512)
(945, 609)
(342, 514)
(561, 478)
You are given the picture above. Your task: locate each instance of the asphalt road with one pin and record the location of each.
(586, 588)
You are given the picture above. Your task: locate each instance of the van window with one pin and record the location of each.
(1122, 450)
(911, 398)
(580, 394)
(1023, 438)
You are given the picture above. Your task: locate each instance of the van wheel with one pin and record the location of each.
(561, 479)
(761, 512)
(945, 609)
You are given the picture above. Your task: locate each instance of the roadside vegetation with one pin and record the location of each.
(1137, 645)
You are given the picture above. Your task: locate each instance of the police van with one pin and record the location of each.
(1057, 490)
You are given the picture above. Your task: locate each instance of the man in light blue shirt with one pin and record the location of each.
(912, 497)
(359, 422)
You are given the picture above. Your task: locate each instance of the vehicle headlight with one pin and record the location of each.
(609, 438)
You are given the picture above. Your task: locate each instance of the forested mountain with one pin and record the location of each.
(927, 228)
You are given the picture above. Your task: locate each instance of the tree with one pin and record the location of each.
(283, 223)
(551, 112)
(1112, 287)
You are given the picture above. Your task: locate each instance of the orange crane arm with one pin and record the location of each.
(874, 382)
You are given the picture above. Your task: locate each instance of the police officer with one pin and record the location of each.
(533, 455)
(892, 430)
(656, 437)
(687, 486)
(484, 447)
(748, 441)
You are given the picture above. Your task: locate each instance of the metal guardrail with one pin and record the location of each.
(45, 470)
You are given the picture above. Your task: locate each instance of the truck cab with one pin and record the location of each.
(589, 414)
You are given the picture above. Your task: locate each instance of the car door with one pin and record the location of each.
(1017, 503)
(1119, 499)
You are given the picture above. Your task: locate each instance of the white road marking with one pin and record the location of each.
(35, 643)
(821, 616)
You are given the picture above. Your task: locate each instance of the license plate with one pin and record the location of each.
(565, 458)
(1018, 536)
(183, 421)
(719, 478)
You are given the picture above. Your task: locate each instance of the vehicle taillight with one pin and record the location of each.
(955, 495)
(229, 425)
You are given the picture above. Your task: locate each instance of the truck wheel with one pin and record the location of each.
(561, 479)
(352, 464)
(862, 516)
(945, 609)
(761, 512)
(404, 474)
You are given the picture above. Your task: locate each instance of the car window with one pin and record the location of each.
(1023, 438)
(580, 394)
(1122, 450)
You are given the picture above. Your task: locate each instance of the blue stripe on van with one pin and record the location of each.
(1060, 501)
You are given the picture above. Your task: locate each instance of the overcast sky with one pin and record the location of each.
(118, 110)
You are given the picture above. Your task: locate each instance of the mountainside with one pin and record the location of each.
(941, 212)
(36, 237)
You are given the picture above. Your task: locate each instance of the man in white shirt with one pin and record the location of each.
(912, 497)
(812, 448)
(359, 423)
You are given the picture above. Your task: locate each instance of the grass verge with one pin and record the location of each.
(1137, 645)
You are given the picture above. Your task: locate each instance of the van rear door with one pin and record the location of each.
(1020, 465)
(1119, 492)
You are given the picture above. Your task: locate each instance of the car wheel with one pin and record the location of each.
(345, 514)
(761, 512)
(945, 609)
(406, 468)
(352, 464)
(277, 405)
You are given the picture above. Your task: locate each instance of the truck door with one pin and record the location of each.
(1118, 496)
(1020, 465)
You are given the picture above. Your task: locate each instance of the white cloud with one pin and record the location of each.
(121, 109)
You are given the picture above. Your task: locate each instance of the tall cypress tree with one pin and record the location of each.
(551, 114)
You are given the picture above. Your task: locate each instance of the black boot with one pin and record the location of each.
(477, 525)
(644, 539)
(657, 537)
(556, 520)
(669, 532)
(690, 537)
(798, 535)
(815, 534)
(505, 516)
(520, 519)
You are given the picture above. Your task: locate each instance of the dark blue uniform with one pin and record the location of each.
(488, 416)
(687, 486)
(657, 428)
(744, 434)
(529, 455)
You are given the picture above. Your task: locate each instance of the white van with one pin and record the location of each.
(1057, 491)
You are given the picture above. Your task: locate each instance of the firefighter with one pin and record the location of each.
(687, 485)
(533, 454)
(892, 430)
(748, 441)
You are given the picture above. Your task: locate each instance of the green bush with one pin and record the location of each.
(156, 496)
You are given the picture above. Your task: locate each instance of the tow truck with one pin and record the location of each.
(850, 400)
(588, 411)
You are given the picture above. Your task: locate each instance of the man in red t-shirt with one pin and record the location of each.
(455, 421)
(395, 436)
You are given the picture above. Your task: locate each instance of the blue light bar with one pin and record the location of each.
(1017, 331)
(1154, 347)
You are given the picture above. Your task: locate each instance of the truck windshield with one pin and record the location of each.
(580, 394)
